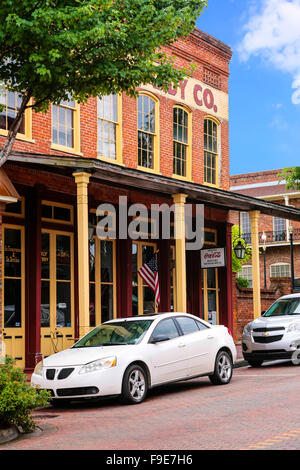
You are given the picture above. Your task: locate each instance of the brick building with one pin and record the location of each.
(59, 278)
(274, 234)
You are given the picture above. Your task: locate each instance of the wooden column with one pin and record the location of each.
(180, 260)
(33, 279)
(229, 284)
(254, 218)
(82, 181)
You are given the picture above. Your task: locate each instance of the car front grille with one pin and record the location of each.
(50, 374)
(267, 339)
(64, 373)
(78, 391)
(264, 330)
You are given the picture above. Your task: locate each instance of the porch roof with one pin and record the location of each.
(137, 179)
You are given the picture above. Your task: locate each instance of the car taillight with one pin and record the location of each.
(229, 331)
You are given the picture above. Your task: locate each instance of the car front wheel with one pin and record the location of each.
(135, 385)
(223, 369)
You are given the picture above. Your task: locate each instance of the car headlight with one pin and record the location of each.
(100, 364)
(38, 370)
(247, 330)
(293, 327)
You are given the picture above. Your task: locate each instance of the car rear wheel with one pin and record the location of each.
(135, 385)
(223, 369)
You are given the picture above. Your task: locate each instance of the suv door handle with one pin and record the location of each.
(181, 345)
(210, 337)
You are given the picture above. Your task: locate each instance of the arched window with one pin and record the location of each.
(181, 143)
(211, 156)
(147, 132)
(109, 127)
(66, 126)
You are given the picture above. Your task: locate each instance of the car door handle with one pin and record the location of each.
(210, 337)
(181, 345)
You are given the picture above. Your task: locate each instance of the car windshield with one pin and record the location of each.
(114, 334)
(284, 307)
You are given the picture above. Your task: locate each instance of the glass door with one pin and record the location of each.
(57, 292)
(13, 299)
(102, 280)
(143, 299)
(210, 295)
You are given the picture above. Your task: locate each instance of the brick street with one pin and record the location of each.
(259, 409)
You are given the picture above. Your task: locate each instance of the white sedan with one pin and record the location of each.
(128, 356)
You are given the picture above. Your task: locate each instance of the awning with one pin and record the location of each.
(8, 192)
(135, 179)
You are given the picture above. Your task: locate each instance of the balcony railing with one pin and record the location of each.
(273, 236)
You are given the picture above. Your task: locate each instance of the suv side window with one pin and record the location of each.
(187, 325)
(166, 327)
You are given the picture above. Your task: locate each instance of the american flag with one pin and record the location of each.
(149, 273)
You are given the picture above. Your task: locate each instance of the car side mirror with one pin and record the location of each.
(159, 339)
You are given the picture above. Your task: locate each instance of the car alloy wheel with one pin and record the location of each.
(223, 369)
(134, 385)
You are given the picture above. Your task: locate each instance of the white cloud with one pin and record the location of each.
(273, 33)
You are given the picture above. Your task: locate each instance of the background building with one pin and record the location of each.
(274, 240)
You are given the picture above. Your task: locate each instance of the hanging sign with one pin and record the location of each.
(213, 258)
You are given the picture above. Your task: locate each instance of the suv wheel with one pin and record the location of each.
(223, 369)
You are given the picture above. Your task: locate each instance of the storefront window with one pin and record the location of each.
(63, 281)
(12, 278)
(45, 283)
(102, 281)
(143, 299)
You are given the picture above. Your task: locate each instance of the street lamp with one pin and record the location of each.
(264, 238)
(239, 248)
(291, 229)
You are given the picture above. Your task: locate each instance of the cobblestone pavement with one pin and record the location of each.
(259, 409)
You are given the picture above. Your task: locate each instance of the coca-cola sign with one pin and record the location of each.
(213, 258)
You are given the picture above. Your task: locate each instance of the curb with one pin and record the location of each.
(9, 434)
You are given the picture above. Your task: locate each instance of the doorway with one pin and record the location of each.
(57, 291)
(13, 297)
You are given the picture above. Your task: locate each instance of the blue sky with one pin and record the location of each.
(264, 101)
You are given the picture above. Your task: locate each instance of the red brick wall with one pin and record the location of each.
(243, 302)
(199, 48)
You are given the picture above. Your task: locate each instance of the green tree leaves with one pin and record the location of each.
(292, 177)
(56, 48)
